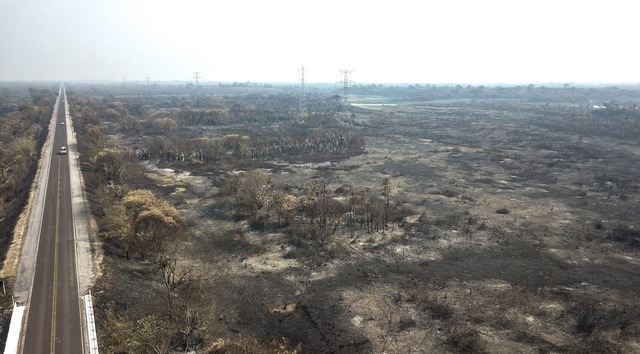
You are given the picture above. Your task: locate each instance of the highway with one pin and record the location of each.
(53, 317)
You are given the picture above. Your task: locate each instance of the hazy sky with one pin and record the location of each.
(409, 41)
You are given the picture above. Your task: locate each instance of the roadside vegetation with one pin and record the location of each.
(25, 113)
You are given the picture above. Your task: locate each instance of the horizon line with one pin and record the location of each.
(142, 82)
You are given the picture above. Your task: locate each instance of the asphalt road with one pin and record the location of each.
(53, 315)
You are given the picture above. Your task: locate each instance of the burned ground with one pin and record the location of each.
(520, 237)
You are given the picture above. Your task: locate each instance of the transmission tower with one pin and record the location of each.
(303, 108)
(346, 81)
(196, 75)
(147, 77)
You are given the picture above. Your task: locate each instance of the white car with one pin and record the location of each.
(63, 150)
(61, 123)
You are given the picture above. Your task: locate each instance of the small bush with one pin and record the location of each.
(406, 323)
(586, 319)
(440, 311)
(465, 340)
(448, 193)
(502, 211)
(598, 224)
(625, 234)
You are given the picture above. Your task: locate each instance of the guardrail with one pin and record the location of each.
(92, 335)
(15, 327)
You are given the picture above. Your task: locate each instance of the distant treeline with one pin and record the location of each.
(566, 93)
(323, 94)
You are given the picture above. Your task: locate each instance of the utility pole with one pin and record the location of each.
(197, 77)
(303, 108)
(346, 81)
